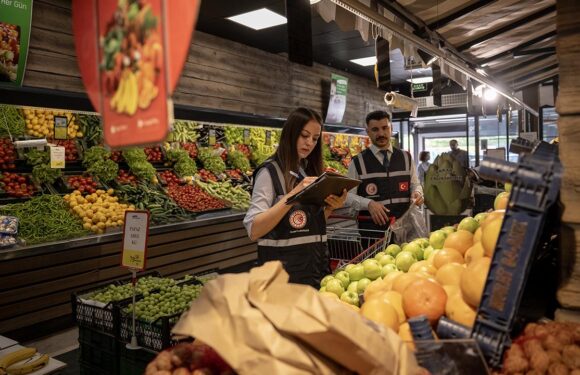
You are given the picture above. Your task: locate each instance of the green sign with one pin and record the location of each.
(337, 103)
(15, 24)
(418, 87)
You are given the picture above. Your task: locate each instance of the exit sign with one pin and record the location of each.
(418, 87)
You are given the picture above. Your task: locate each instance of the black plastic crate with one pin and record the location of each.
(134, 362)
(98, 352)
(106, 318)
(155, 335)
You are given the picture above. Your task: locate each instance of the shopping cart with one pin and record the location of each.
(350, 245)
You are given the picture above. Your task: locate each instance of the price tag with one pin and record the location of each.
(60, 127)
(212, 139)
(57, 157)
(246, 136)
(268, 137)
(331, 144)
(135, 234)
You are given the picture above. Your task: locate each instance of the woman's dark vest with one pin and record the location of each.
(299, 239)
(391, 187)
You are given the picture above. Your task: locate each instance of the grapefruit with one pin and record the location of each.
(375, 288)
(402, 282)
(449, 274)
(396, 300)
(490, 236)
(491, 217)
(474, 252)
(424, 267)
(424, 297)
(501, 201)
(473, 281)
(381, 312)
(477, 235)
(390, 278)
(460, 241)
(458, 310)
(452, 290)
(445, 256)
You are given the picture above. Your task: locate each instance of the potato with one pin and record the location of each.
(571, 356)
(558, 369)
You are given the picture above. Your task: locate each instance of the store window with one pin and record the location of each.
(549, 123)
(513, 133)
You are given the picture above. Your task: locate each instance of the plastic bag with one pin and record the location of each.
(410, 225)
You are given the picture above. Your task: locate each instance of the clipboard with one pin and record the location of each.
(328, 183)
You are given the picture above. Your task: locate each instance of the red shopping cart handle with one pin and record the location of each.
(361, 218)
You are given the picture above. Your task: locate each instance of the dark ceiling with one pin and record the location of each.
(512, 39)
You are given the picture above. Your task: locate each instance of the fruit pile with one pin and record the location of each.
(83, 184)
(552, 348)
(112, 292)
(169, 300)
(71, 152)
(126, 178)
(117, 156)
(191, 148)
(193, 198)
(16, 185)
(189, 359)
(234, 174)
(244, 149)
(442, 275)
(206, 175)
(40, 123)
(7, 154)
(99, 211)
(169, 178)
(154, 154)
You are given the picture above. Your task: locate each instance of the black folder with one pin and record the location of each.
(328, 183)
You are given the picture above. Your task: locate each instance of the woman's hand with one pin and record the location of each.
(333, 202)
(301, 185)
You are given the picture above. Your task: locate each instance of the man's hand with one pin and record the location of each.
(378, 213)
(334, 202)
(418, 198)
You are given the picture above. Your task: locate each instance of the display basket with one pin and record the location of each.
(351, 245)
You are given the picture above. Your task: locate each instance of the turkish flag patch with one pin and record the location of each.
(403, 186)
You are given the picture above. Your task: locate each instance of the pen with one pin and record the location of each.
(298, 176)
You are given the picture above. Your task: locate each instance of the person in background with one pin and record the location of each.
(294, 234)
(388, 175)
(422, 168)
(458, 154)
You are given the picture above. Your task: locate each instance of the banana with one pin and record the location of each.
(132, 94)
(115, 99)
(29, 366)
(15, 356)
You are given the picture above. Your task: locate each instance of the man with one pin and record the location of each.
(458, 154)
(388, 175)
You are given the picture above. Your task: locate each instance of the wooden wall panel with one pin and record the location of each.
(218, 74)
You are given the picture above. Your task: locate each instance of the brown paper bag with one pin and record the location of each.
(328, 326)
(223, 318)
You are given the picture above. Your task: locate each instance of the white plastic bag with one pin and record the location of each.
(410, 226)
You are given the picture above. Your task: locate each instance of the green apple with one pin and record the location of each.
(379, 256)
(387, 259)
(344, 278)
(404, 261)
(469, 224)
(393, 250)
(350, 297)
(352, 287)
(362, 285)
(416, 249)
(356, 272)
(428, 252)
(322, 289)
(335, 286)
(507, 186)
(372, 269)
(448, 230)
(424, 242)
(326, 279)
(387, 269)
(437, 239)
(480, 217)
(403, 245)
(348, 267)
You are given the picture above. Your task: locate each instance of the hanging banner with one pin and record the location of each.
(130, 57)
(15, 24)
(337, 104)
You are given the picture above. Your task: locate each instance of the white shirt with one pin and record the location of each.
(356, 202)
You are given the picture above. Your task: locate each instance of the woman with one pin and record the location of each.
(294, 234)
(422, 168)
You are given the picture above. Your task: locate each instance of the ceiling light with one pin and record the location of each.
(259, 19)
(489, 94)
(314, 2)
(365, 61)
(432, 60)
(421, 80)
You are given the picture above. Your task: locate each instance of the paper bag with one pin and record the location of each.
(223, 318)
(329, 326)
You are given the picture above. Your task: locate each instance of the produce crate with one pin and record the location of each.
(134, 362)
(6, 198)
(155, 336)
(98, 352)
(98, 316)
(62, 185)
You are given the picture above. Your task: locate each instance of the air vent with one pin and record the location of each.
(448, 101)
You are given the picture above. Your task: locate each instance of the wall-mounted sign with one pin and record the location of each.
(337, 104)
(135, 234)
(419, 87)
(15, 24)
(130, 57)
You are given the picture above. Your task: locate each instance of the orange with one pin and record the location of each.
(445, 256)
(425, 297)
(490, 236)
(423, 266)
(390, 279)
(402, 282)
(449, 274)
(381, 312)
(501, 201)
(406, 335)
(477, 235)
(376, 287)
(396, 300)
(452, 290)
(474, 252)
(473, 281)
(491, 217)
(460, 241)
(458, 310)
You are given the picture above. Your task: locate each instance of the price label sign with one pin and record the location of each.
(60, 127)
(57, 157)
(246, 136)
(212, 139)
(135, 234)
(268, 137)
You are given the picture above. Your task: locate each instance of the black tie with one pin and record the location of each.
(385, 159)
